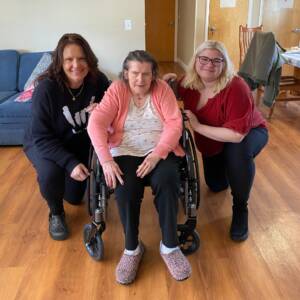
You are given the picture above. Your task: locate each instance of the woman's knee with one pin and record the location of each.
(129, 193)
(217, 186)
(237, 151)
(249, 147)
(166, 178)
(166, 174)
(51, 175)
(74, 191)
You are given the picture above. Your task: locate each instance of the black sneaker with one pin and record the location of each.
(239, 224)
(58, 228)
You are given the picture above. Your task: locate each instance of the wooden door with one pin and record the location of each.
(160, 29)
(224, 25)
(284, 22)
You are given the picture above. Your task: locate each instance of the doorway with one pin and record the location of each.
(160, 29)
(224, 25)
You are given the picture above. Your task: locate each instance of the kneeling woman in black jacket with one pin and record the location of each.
(56, 141)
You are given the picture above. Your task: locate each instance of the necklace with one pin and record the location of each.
(77, 95)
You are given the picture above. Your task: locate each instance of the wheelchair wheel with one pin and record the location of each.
(103, 198)
(192, 188)
(189, 241)
(93, 182)
(98, 192)
(93, 242)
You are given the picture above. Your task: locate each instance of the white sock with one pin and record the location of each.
(166, 250)
(133, 252)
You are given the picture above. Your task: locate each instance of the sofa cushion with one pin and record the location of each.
(5, 95)
(12, 134)
(28, 61)
(9, 60)
(12, 112)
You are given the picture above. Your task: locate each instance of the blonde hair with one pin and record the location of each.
(193, 81)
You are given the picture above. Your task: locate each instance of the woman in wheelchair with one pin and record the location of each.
(229, 131)
(135, 132)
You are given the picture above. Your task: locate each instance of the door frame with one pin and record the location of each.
(176, 31)
(253, 20)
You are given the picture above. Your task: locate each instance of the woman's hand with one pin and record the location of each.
(169, 76)
(192, 119)
(220, 134)
(91, 107)
(80, 172)
(147, 165)
(112, 173)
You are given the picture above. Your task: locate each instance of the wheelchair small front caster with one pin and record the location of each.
(93, 242)
(189, 241)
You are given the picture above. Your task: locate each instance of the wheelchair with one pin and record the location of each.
(99, 194)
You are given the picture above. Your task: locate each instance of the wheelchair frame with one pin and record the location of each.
(99, 193)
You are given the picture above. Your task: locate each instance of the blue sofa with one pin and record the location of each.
(15, 69)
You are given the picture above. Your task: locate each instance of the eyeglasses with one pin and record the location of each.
(204, 60)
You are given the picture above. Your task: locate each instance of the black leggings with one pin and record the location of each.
(55, 183)
(164, 181)
(235, 167)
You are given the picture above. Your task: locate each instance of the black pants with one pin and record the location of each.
(164, 181)
(235, 167)
(55, 183)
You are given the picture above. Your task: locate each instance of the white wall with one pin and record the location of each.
(200, 20)
(36, 25)
(255, 9)
(186, 31)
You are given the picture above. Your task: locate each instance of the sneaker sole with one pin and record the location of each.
(241, 238)
(59, 237)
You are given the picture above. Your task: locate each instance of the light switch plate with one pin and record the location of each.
(127, 24)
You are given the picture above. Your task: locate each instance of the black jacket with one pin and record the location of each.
(57, 131)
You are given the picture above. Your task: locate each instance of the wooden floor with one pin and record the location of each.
(266, 266)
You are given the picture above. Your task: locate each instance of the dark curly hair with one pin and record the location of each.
(55, 70)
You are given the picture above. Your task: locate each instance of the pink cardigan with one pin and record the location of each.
(107, 120)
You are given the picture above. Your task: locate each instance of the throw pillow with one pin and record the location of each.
(26, 95)
(42, 66)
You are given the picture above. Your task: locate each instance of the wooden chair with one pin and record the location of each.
(245, 36)
(289, 90)
(289, 85)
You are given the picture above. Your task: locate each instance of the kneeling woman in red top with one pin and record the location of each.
(229, 131)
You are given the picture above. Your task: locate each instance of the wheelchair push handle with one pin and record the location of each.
(184, 116)
(172, 82)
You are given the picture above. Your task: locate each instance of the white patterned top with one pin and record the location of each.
(142, 130)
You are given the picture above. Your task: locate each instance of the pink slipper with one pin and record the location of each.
(128, 266)
(178, 265)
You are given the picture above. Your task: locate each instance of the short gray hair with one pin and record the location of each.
(140, 56)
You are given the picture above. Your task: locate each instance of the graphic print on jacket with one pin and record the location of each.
(79, 120)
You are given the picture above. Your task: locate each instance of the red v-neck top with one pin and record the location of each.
(233, 108)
